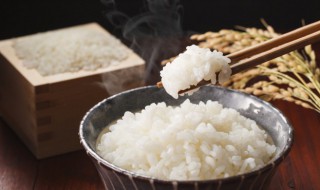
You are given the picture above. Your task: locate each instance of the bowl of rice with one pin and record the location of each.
(216, 138)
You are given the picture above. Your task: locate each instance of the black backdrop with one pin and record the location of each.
(21, 17)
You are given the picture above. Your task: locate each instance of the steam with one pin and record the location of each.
(155, 33)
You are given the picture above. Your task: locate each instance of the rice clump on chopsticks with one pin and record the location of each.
(192, 66)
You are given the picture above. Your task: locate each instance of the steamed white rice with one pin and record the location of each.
(192, 66)
(69, 50)
(188, 142)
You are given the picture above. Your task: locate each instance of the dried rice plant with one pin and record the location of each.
(293, 77)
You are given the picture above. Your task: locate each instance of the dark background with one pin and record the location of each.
(157, 29)
(21, 17)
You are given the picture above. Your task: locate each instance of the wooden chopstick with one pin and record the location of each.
(260, 53)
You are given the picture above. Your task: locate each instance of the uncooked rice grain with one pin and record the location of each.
(69, 50)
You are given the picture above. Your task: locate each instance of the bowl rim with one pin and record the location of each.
(271, 164)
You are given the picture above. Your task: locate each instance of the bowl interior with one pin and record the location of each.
(249, 106)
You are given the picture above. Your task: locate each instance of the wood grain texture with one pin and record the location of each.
(301, 170)
(18, 168)
(45, 111)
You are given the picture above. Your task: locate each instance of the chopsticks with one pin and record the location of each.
(273, 48)
(267, 45)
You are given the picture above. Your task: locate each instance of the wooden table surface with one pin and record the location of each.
(20, 170)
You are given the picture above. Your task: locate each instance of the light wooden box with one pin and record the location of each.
(45, 112)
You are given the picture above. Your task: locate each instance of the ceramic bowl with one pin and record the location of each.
(113, 108)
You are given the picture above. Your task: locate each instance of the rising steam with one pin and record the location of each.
(155, 33)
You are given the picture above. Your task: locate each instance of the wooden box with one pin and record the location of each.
(45, 112)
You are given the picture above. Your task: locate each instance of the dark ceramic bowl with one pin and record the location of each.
(110, 109)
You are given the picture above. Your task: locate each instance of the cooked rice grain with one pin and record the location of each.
(192, 66)
(188, 142)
